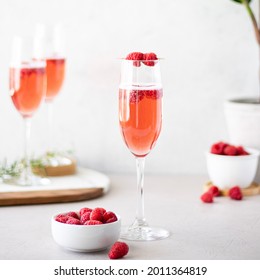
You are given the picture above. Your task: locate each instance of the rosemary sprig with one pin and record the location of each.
(14, 170)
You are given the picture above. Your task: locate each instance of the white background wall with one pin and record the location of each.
(210, 55)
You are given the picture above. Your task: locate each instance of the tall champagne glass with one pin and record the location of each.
(27, 84)
(140, 118)
(49, 38)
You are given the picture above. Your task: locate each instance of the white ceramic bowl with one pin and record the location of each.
(230, 171)
(85, 238)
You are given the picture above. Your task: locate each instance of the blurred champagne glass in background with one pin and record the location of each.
(27, 85)
(48, 46)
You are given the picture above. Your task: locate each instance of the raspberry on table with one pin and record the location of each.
(207, 197)
(118, 250)
(92, 223)
(235, 193)
(230, 150)
(214, 191)
(109, 217)
(84, 210)
(97, 214)
(73, 221)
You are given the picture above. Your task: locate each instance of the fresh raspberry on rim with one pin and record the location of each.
(149, 58)
(136, 56)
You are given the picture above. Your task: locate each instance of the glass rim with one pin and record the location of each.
(28, 64)
(141, 60)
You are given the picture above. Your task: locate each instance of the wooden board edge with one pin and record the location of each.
(49, 196)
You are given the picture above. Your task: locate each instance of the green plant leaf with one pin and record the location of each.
(240, 1)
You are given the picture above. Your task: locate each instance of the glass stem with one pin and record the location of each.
(50, 126)
(27, 137)
(140, 219)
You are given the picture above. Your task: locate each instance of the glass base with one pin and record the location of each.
(144, 233)
(31, 181)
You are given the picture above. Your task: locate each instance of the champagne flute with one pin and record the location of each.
(27, 84)
(140, 118)
(52, 52)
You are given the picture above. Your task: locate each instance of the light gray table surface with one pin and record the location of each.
(225, 229)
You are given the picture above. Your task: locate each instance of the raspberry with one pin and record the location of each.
(61, 215)
(218, 148)
(241, 151)
(73, 221)
(230, 150)
(72, 214)
(97, 214)
(214, 191)
(136, 96)
(82, 211)
(235, 193)
(153, 94)
(136, 56)
(118, 250)
(92, 223)
(85, 217)
(207, 197)
(109, 217)
(26, 72)
(61, 218)
(150, 57)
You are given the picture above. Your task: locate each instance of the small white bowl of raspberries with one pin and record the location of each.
(86, 230)
(229, 165)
